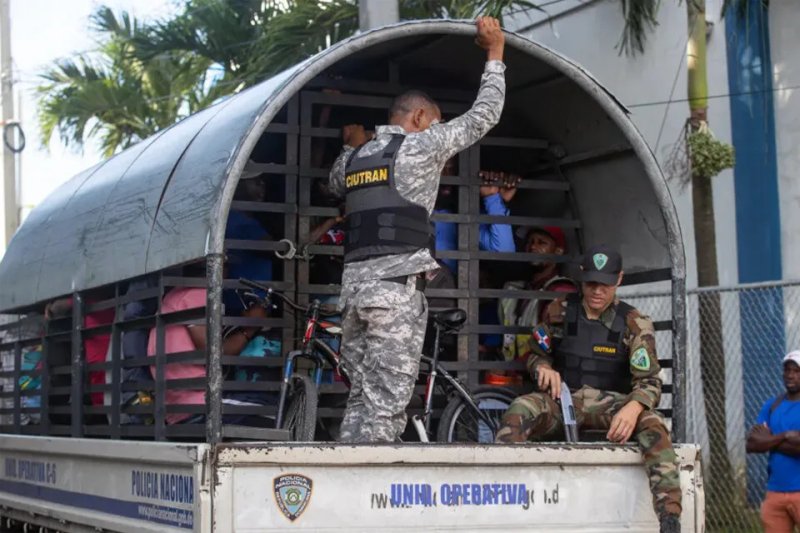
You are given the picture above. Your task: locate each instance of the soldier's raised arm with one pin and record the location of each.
(449, 138)
(641, 340)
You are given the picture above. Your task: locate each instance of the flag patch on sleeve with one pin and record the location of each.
(542, 339)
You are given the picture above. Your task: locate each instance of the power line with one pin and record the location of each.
(715, 96)
(672, 91)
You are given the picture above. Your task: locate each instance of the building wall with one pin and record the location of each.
(784, 19)
(589, 31)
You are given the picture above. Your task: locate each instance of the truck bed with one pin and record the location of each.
(82, 485)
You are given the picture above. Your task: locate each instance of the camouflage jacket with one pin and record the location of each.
(640, 339)
(417, 169)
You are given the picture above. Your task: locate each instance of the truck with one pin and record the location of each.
(88, 443)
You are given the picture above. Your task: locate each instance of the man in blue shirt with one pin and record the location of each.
(496, 192)
(242, 226)
(777, 431)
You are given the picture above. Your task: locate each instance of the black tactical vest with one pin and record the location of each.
(378, 220)
(590, 353)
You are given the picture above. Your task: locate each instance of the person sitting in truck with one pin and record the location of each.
(249, 264)
(180, 338)
(496, 193)
(95, 346)
(545, 276)
(777, 432)
(605, 350)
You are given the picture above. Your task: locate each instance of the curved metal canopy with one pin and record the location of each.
(164, 201)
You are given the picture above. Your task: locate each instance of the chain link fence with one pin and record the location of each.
(736, 339)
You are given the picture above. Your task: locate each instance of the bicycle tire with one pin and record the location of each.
(301, 415)
(460, 424)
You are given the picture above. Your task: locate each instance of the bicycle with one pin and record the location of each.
(469, 416)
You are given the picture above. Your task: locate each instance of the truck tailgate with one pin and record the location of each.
(555, 487)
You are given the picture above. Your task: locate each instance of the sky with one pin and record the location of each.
(43, 31)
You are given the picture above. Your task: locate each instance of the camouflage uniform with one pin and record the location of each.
(384, 322)
(537, 416)
(524, 312)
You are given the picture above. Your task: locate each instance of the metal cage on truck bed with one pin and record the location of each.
(158, 209)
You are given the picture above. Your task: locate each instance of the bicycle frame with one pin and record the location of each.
(312, 349)
(320, 354)
(435, 370)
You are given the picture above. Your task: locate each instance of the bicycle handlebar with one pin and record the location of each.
(291, 303)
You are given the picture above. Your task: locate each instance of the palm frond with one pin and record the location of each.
(641, 17)
(463, 9)
(145, 77)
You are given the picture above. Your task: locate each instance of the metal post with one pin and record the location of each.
(116, 367)
(214, 279)
(9, 203)
(160, 393)
(17, 391)
(679, 400)
(78, 366)
(377, 13)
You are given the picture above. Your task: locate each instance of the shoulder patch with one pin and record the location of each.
(640, 359)
(542, 338)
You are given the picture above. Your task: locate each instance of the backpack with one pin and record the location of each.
(134, 345)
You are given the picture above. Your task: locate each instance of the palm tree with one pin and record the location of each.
(252, 40)
(111, 96)
(144, 78)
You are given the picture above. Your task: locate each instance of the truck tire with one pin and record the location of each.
(301, 415)
(459, 423)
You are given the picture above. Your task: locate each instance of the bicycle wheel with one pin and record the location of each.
(460, 422)
(301, 415)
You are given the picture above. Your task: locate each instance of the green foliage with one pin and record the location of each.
(111, 96)
(145, 77)
(641, 17)
(707, 155)
(461, 9)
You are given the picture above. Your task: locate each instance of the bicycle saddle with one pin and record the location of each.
(449, 318)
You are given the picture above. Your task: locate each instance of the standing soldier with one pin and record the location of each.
(390, 185)
(606, 350)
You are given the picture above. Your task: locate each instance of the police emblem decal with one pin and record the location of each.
(600, 260)
(292, 494)
(640, 360)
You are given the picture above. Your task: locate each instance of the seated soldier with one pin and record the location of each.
(604, 349)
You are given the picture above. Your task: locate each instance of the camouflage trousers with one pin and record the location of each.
(537, 416)
(383, 327)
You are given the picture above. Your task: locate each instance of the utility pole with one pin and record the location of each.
(10, 213)
(377, 13)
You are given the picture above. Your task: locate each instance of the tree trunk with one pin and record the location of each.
(722, 495)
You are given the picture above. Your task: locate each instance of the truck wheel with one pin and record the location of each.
(301, 416)
(460, 423)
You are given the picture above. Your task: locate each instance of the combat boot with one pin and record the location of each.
(670, 523)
